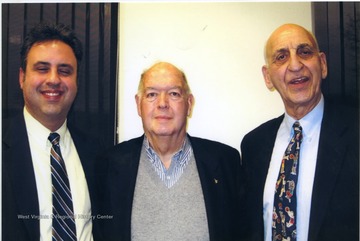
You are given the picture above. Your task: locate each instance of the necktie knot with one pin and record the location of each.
(297, 126)
(54, 138)
(298, 130)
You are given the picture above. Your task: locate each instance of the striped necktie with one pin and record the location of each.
(63, 222)
(284, 213)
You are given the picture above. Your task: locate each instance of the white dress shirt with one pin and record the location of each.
(311, 124)
(40, 153)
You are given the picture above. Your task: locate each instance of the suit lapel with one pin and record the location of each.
(123, 172)
(206, 164)
(208, 173)
(258, 170)
(21, 173)
(87, 150)
(123, 169)
(327, 169)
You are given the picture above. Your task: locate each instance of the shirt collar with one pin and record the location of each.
(178, 156)
(310, 122)
(40, 133)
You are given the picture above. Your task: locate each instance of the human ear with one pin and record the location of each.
(267, 79)
(21, 77)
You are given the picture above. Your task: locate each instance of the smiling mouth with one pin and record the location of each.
(299, 80)
(52, 95)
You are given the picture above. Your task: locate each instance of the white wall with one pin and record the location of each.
(219, 46)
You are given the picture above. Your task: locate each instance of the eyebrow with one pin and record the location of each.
(167, 89)
(300, 46)
(48, 64)
(41, 63)
(306, 45)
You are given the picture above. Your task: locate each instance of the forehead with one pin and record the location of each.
(289, 38)
(163, 76)
(51, 49)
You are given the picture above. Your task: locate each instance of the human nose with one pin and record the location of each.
(295, 63)
(54, 78)
(163, 101)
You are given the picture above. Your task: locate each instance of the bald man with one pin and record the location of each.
(324, 177)
(166, 184)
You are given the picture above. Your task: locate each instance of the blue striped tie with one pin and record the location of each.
(63, 215)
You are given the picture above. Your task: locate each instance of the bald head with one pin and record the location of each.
(163, 67)
(295, 68)
(284, 32)
(164, 103)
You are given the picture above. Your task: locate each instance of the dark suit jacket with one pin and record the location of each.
(214, 161)
(335, 199)
(19, 193)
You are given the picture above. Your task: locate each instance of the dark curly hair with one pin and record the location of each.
(49, 31)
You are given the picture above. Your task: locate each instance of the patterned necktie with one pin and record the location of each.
(284, 213)
(63, 215)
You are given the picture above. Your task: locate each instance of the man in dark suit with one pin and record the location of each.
(50, 55)
(166, 184)
(327, 187)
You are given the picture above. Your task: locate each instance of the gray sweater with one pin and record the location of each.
(172, 214)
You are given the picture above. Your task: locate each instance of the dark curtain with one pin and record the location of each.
(337, 28)
(95, 24)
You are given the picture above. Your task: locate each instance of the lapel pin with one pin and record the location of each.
(216, 181)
